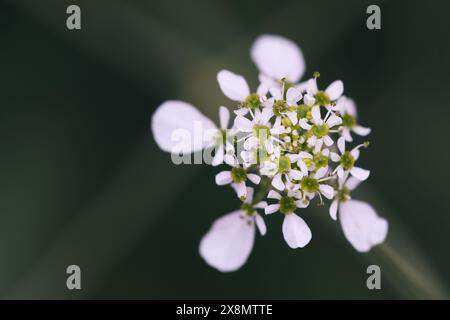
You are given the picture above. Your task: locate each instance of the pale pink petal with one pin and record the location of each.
(228, 243)
(233, 86)
(179, 125)
(295, 231)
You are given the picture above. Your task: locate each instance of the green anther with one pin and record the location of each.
(302, 111)
(320, 160)
(322, 98)
(307, 161)
(252, 101)
(347, 160)
(248, 209)
(316, 74)
(348, 121)
(287, 205)
(284, 164)
(366, 144)
(309, 184)
(279, 107)
(320, 130)
(343, 194)
(238, 174)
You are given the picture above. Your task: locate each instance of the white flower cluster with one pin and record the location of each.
(289, 139)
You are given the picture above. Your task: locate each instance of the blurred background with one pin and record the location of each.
(83, 182)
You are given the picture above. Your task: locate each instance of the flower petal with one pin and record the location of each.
(271, 208)
(315, 112)
(335, 90)
(223, 178)
(254, 178)
(178, 116)
(334, 120)
(243, 124)
(334, 209)
(228, 243)
(241, 189)
(233, 86)
(277, 182)
(362, 227)
(327, 191)
(260, 224)
(359, 173)
(224, 117)
(293, 95)
(362, 131)
(295, 231)
(274, 195)
(295, 174)
(218, 156)
(278, 57)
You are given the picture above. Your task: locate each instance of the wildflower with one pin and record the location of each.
(229, 242)
(295, 230)
(282, 140)
(347, 161)
(320, 129)
(322, 98)
(347, 109)
(237, 177)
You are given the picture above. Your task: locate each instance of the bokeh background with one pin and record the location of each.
(83, 182)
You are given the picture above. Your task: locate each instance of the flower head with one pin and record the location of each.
(289, 140)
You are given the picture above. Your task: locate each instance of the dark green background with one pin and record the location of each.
(83, 182)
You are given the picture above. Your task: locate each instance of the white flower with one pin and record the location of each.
(237, 177)
(322, 98)
(285, 171)
(280, 104)
(259, 130)
(320, 128)
(313, 184)
(174, 117)
(347, 109)
(296, 232)
(346, 161)
(229, 242)
(278, 58)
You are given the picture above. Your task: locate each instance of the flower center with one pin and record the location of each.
(284, 164)
(238, 174)
(322, 98)
(280, 107)
(302, 111)
(320, 130)
(348, 121)
(320, 160)
(347, 160)
(248, 209)
(252, 101)
(287, 205)
(343, 194)
(309, 184)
